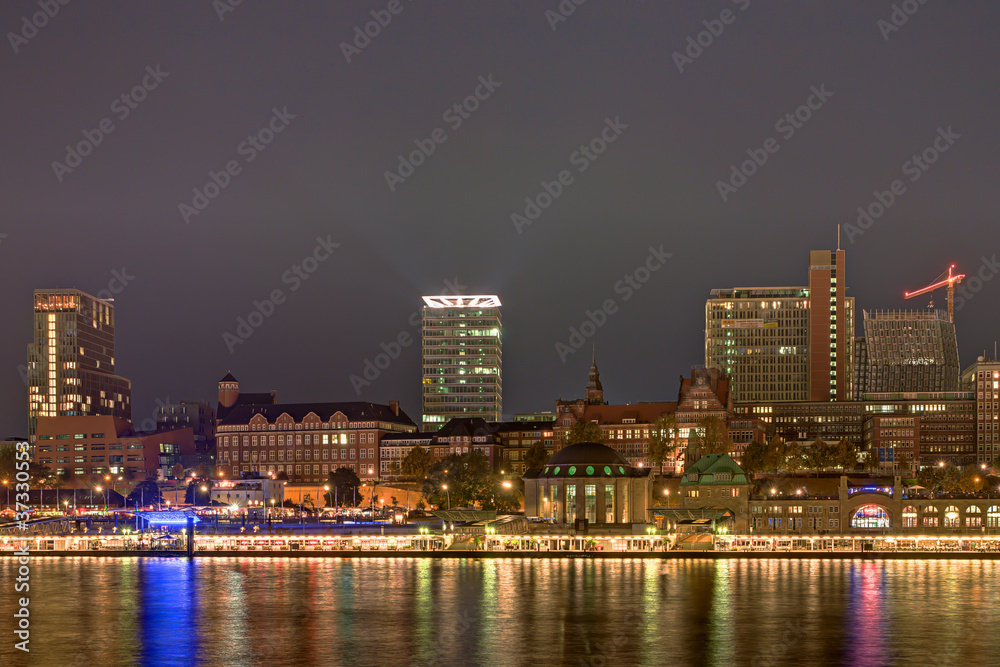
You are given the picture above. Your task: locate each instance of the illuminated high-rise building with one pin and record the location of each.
(785, 343)
(71, 363)
(910, 351)
(461, 353)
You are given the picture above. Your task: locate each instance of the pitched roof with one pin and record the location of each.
(705, 469)
(229, 378)
(515, 426)
(354, 410)
(642, 413)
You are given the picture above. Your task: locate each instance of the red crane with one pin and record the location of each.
(947, 279)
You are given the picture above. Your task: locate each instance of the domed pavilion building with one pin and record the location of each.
(588, 481)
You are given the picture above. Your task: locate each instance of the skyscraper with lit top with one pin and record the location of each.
(71, 361)
(462, 358)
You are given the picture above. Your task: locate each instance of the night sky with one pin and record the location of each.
(678, 123)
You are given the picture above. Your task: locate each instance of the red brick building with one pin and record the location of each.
(304, 441)
(89, 446)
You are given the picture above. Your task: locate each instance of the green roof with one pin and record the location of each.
(708, 469)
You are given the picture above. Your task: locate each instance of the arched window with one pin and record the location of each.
(951, 517)
(909, 517)
(870, 516)
(993, 516)
(930, 517)
(973, 517)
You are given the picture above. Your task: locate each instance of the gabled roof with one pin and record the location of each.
(355, 411)
(705, 469)
(466, 426)
(508, 427)
(642, 413)
(229, 378)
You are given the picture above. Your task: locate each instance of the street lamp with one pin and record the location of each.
(445, 487)
(326, 487)
(8, 493)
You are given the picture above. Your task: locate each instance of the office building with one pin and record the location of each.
(301, 442)
(199, 415)
(910, 351)
(983, 380)
(71, 361)
(785, 343)
(90, 446)
(462, 359)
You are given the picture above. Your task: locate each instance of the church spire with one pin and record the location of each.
(595, 392)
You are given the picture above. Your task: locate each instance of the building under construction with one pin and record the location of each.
(909, 351)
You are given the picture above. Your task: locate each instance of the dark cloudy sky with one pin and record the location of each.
(323, 176)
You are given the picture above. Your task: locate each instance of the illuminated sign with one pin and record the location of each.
(478, 301)
(750, 324)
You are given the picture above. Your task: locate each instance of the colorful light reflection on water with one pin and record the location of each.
(249, 611)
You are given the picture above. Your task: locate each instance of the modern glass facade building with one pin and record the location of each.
(461, 353)
(71, 363)
(758, 336)
(785, 343)
(910, 351)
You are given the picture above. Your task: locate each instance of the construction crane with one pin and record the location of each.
(947, 279)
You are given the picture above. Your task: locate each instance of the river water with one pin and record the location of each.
(403, 611)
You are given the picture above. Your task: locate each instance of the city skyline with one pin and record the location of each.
(313, 216)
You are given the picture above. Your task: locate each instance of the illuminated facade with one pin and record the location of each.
(88, 447)
(983, 379)
(71, 361)
(785, 343)
(462, 359)
(910, 351)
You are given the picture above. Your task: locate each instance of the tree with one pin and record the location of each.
(203, 470)
(343, 483)
(845, 455)
(146, 492)
(536, 456)
(392, 499)
(970, 481)
(584, 431)
(791, 457)
(662, 439)
(711, 437)
(282, 475)
(194, 494)
(870, 460)
(754, 457)
(416, 463)
(470, 479)
(939, 478)
(816, 454)
(177, 471)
